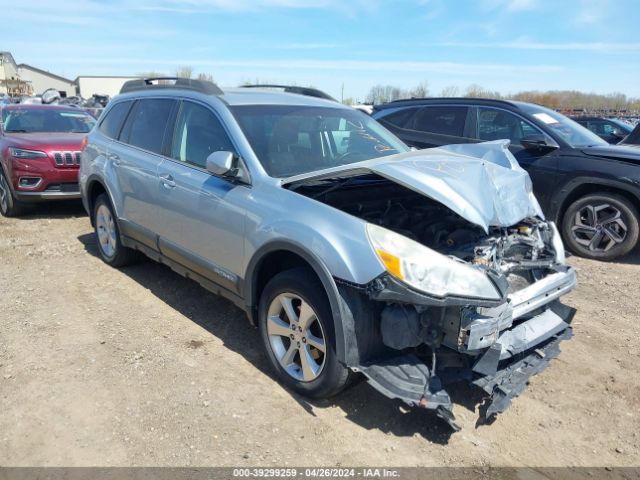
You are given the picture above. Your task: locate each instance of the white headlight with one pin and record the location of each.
(427, 270)
(21, 153)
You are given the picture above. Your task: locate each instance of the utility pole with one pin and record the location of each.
(342, 94)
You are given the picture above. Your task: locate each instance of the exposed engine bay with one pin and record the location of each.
(432, 342)
(504, 249)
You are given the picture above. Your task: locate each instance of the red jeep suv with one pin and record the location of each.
(40, 154)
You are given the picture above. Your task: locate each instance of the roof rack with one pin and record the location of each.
(202, 86)
(307, 91)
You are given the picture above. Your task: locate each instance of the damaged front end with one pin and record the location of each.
(494, 345)
(473, 274)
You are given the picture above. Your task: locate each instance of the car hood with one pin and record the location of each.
(482, 182)
(45, 141)
(620, 152)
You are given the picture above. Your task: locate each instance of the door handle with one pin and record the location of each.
(114, 158)
(167, 181)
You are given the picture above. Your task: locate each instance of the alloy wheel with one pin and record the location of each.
(296, 337)
(599, 227)
(106, 229)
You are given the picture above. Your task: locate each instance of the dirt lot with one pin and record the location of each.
(141, 367)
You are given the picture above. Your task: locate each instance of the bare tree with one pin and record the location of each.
(151, 74)
(420, 91)
(450, 91)
(385, 93)
(205, 76)
(185, 71)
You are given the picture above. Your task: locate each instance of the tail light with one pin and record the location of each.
(84, 142)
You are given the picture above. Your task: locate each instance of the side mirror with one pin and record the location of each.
(538, 142)
(221, 164)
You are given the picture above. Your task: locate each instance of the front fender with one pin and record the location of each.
(343, 321)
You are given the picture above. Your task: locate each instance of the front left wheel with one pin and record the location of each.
(297, 330)
(9, 206)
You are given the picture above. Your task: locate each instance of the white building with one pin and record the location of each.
(90, 85)
(10, 81)
(41, 80)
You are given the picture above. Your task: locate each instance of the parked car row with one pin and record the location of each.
(40, 148)
(589, 188)
(611, 130)
(352, 253)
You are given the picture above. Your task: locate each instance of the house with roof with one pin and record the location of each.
(42, 80)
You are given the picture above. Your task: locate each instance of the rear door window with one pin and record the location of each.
(112, 122)
(441, 119)
(146, 125)
(401, 118)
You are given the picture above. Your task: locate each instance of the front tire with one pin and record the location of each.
(110, 247)
(9, 206)
(601, 226)
(296, 326)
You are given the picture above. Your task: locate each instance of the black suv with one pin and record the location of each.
(590, 188)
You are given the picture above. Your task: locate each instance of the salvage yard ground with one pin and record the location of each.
(142, 367)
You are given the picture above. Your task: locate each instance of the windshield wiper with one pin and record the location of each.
(16, 131)
(334, 186)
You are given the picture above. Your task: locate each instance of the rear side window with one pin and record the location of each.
(442, 120)
(198, 133)
(400, 118)
(147, 123)
(112, 123)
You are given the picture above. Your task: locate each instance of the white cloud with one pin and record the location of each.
(601, 47)
(591, 12)
(195, 6)
(382, 66)
(509, 5)
(521, 5)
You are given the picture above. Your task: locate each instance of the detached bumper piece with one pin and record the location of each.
(503, 371)
(407, 378)
(510, 381)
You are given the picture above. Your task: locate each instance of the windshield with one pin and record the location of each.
(571, 132)
(24, 120)
(290, 140)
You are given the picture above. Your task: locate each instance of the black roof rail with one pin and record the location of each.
(202, 86)
(307, 91)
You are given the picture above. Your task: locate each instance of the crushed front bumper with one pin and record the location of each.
(496, 353)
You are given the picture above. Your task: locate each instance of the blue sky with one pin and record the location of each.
(503, 45)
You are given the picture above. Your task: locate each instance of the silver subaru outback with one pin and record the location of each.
(352, 254)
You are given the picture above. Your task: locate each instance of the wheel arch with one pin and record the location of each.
(282, 255)
(580, 187)
(95, 187)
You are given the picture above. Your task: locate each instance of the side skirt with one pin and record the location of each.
(185, 272)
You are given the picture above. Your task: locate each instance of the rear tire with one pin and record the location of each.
(296, 326)
(110, 247)
(601, 226)
(9, 206)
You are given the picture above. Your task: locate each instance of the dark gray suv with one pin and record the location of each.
(351, 253)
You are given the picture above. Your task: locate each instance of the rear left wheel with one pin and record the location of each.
(601, 226)
(110, 247)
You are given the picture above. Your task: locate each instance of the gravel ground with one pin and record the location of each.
(141, 367)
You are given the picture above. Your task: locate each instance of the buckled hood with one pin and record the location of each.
(483, 182)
